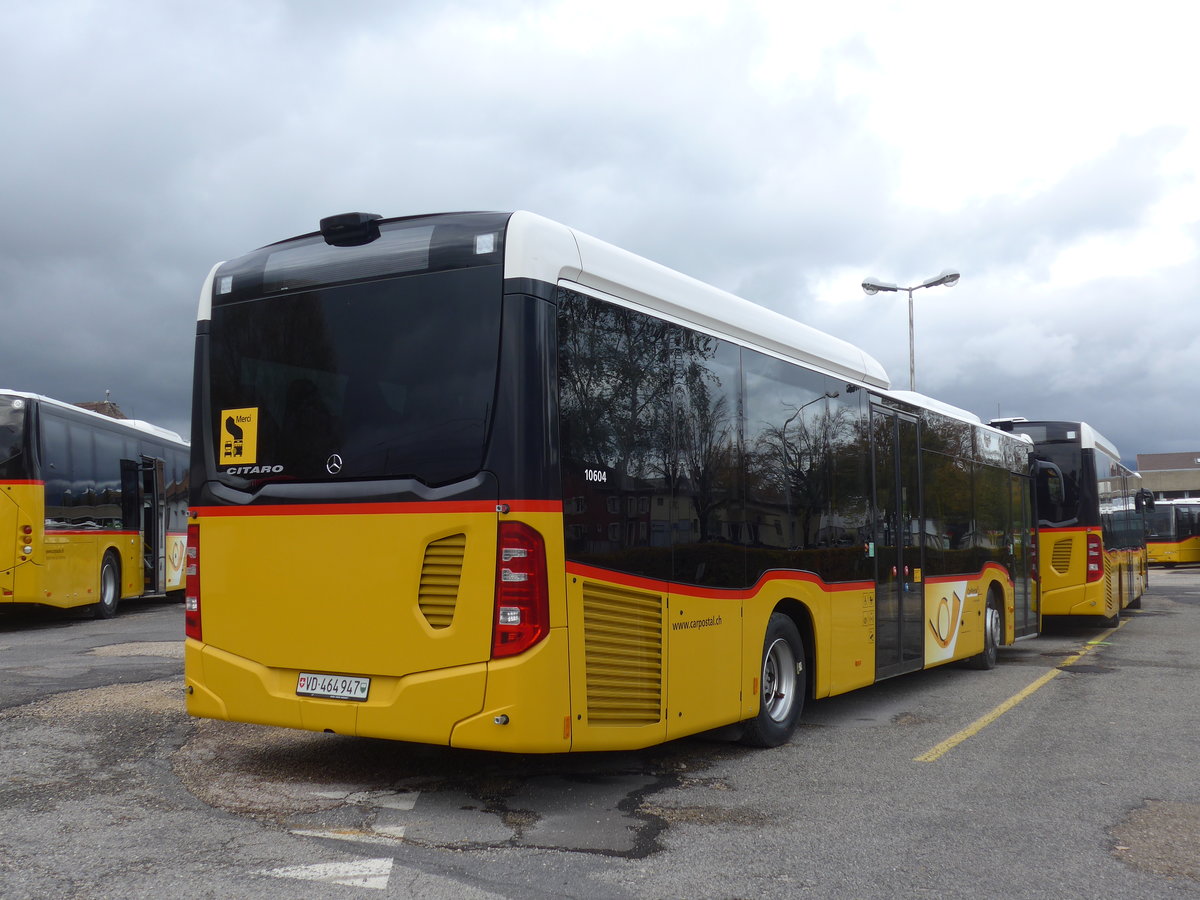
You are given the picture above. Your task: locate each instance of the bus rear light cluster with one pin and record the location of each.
(191, 595)
(1095, 558)
(522, 616)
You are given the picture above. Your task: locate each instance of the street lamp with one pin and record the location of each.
(873, 286)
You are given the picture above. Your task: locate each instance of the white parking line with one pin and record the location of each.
(382, 799)
(366, 873)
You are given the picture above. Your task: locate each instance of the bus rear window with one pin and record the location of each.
(386, 379)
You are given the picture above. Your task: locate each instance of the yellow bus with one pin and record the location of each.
(93, 509)
(1173, 532)
(1091, 521)
(481, 480)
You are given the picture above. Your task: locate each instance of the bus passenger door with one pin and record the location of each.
(899, 530)
(154, 526)
(1025, 613)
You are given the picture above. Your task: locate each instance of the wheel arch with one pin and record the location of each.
(801, 617)
(102, 609)
(1003, 589)
(112, 547)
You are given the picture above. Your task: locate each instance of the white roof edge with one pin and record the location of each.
(544, 250)
(1091, 437)
(946, 409)
(954, 412)
(134, 424)
(1088, 436)
(541, 249)
(204, 312)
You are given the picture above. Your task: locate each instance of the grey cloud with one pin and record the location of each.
(150, 143)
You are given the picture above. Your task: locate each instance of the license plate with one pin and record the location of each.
(335, 687)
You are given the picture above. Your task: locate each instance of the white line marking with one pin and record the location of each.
(366, 873)
(384, 799)
(406, 800)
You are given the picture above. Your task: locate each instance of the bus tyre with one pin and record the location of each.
(993, 624)
(110, 588)
(782, 685)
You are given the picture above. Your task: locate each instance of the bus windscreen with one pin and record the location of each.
(392, 378)
(12, 438)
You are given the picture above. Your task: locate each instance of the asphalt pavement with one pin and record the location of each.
(1068, 771)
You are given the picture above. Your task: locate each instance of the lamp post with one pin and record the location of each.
(873, 286)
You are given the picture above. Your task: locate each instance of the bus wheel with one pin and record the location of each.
(993, 623)
(782, 685)
(110, 588)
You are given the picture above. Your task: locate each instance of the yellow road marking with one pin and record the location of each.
(983, 721)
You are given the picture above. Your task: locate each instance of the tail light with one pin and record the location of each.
(191, 594)
(522, 615)
(1095, 558)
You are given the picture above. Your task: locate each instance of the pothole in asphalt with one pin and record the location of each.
(1162, 837)
(907, 718)
(322, 784)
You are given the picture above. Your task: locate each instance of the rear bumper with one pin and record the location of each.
(518, 705)
(421, 707)
(1079, 600)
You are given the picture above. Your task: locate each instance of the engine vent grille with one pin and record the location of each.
(623, 655)
(1060, 556)
(441, 573)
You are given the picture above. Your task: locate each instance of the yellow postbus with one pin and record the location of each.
(93, 510)
(481, 480)
(1091, 521)
(1173, 532)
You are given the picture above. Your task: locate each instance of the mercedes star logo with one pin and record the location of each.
(333, 465)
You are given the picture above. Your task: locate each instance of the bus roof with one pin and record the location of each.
(1087, 436)
(133, 424)
(540, 249)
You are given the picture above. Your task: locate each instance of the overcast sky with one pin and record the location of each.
(1049, 151)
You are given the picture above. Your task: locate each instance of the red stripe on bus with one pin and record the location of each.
(22, 481)
(947, 579)
(420, 507)
(691, 590)
(76, 532)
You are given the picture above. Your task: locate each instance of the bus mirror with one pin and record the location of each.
(1049, 480)
(1051, 490)
(1143, 500)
